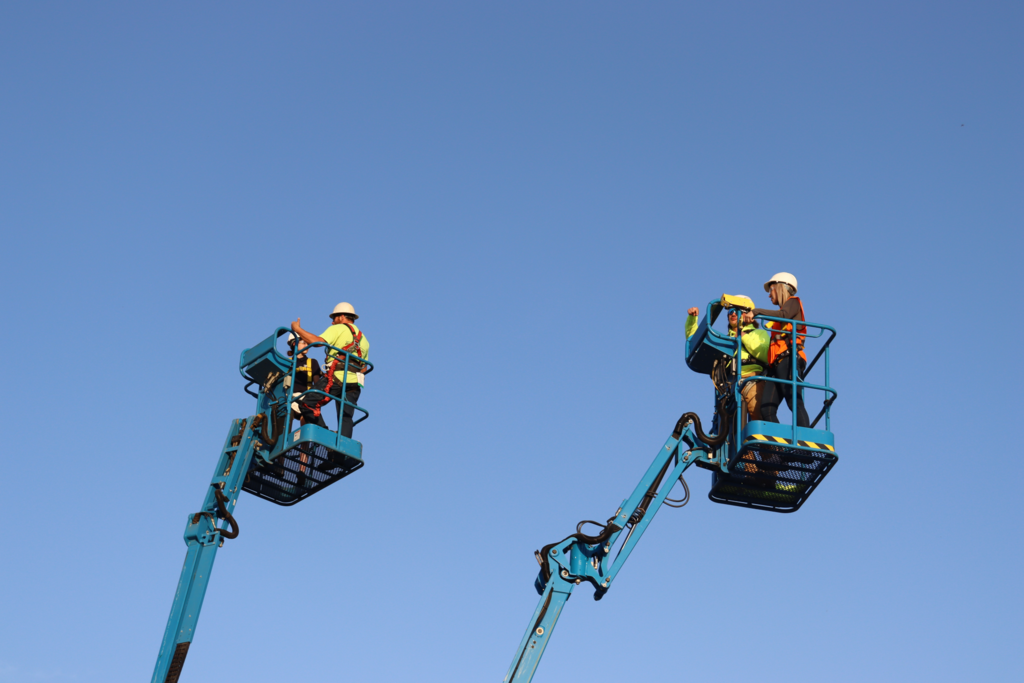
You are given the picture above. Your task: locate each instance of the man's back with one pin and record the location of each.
(340, 336)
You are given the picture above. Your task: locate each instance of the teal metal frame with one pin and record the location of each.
(259, 362)
(597, 559)
(252, 450)
(810, 452)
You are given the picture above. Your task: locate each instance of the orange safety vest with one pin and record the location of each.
(781, 336)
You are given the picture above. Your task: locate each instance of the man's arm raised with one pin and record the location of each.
(305, 336)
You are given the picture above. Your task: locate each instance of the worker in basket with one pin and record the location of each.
(344, 335)
(307, 372)
(754, 355)
(782, 292)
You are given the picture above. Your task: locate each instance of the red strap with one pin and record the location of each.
(357, 336)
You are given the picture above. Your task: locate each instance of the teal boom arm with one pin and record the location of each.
(203, 536)
(781, 465)
(262, 456)
(581, 557)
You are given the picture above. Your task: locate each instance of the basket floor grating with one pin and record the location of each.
(301, 471)
(779, 478)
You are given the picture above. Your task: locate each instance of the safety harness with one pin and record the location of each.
(750, 361)
(355, 365)
(780, 346)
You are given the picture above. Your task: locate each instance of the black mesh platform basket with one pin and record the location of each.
(303, 469)
(772, 476)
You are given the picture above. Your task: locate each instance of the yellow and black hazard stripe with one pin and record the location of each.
(787, 442)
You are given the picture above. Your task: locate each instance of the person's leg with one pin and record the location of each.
(297, 410)
(345, 413)
(783, 369)
(784, 366)
(802, 420)
(771, 396)
(351, 396)
(307, 409)
(751, 399)
(335, 406)
(747, 393)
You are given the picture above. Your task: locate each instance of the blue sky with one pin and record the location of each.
(509, 195)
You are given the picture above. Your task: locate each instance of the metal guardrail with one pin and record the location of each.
(289, 366)
(797, 385)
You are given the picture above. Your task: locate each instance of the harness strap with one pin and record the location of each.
(784, 355)
(353, 346)
(309, 371)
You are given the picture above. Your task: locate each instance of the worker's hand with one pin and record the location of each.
(296, 326)
(748, 317)
(693, 311)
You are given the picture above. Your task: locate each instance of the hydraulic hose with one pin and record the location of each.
(681, 502)
(263, 420)
(725, 422)
(222, 509)
(261, 423)
(607, 528)
(544, 553)
(652, 491)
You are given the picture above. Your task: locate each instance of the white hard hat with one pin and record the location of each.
(785, 278)
(291, 337)
(346, 308)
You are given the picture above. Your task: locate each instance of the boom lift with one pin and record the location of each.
(758, 465)
(262, 456)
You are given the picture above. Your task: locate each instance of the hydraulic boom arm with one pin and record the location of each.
(755, 464)
(262, 456)
(580, 557)
(203, 537)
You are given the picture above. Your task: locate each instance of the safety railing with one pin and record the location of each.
(796, 382)
(353, 363)
(347, 362)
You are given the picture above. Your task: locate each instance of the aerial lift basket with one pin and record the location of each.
(306, 460)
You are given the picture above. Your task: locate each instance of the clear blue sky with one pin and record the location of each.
(509, 194)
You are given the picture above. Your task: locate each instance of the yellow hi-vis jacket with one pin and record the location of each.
(339, 335)
(755, 346)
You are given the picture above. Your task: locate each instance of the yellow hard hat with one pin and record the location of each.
(785, 278)
(734, 301)
(344, 308)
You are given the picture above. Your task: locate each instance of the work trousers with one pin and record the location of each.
(774, 392)
(751, 393)
(352, 392)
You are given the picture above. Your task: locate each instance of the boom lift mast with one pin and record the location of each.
(261, 457)
(760, 465)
